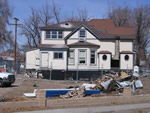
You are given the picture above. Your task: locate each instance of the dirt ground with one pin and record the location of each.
(131, 111)
(27, 85)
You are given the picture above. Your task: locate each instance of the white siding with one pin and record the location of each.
(105, 64)
(32, 59)
(57, 64)
(105, 45)
(51, 41)
(60, 64)
(66, 33)
(126, 64)
(126, 45)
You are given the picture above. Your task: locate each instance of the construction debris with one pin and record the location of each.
(122, 83)
(76, 93)
(115, 83)
(138, 84)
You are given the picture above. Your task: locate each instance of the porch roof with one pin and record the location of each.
(104, 52)
(126, 52)
(53, 46)
(83, 44)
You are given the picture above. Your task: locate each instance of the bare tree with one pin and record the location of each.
(120, 16)
(72, 17)
(56, 11)
(139, 18)
(5, 14)
(82, 15)
(44, 16)
(31, 29)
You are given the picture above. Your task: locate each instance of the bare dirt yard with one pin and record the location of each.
(27, 85)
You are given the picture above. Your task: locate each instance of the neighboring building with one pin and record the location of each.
(83, 48)
(7, 61)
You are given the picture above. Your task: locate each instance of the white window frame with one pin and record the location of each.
(95, 57)
(85, 56)
(81, 38)
(57, 35)
(73, 57)
(80, 33)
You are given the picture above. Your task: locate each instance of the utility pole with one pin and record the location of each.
(15, 49)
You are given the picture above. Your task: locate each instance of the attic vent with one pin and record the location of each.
(66, 25)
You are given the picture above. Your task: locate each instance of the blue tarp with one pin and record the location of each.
(57, 92)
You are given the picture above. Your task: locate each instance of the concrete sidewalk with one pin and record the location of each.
(95, 109)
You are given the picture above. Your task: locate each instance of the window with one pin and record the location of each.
(71, 57)
(54, 34)
(82, 36)
(48, 34)
(104, 57)
(82, 56)
(82, 33)
(93, 57)
(58, 55)
(126, 57)
(60, 34)
(37, 62)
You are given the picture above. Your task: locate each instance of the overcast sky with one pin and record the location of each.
(95, 8)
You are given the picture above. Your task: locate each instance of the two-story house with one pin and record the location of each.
(82, 48)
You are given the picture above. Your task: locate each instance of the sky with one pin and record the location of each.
(95, 8)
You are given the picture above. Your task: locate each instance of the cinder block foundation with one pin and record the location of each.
(41, 97)
(127, 91)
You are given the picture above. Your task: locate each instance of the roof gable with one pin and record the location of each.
(80, 26)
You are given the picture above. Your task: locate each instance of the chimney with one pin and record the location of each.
(117, 48)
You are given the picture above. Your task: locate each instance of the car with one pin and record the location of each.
(6, 79)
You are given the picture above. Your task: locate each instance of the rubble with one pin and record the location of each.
(123, 84)
(76, 93)
(114, 82)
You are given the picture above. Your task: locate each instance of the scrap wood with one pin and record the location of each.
(75, 93)
(123, 74)
(70, 87)
(115, 76)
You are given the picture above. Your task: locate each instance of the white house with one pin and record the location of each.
(83, 48)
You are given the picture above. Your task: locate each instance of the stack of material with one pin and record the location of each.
(115, 83)
(77, 93)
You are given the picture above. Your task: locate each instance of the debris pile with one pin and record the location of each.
(115, 83)
(109, 84)
(76, 93)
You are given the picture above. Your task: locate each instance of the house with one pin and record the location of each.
(82, 49)
(7, 61)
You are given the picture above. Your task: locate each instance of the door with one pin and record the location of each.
(44, 59)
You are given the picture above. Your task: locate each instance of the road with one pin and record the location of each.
(95, 109)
